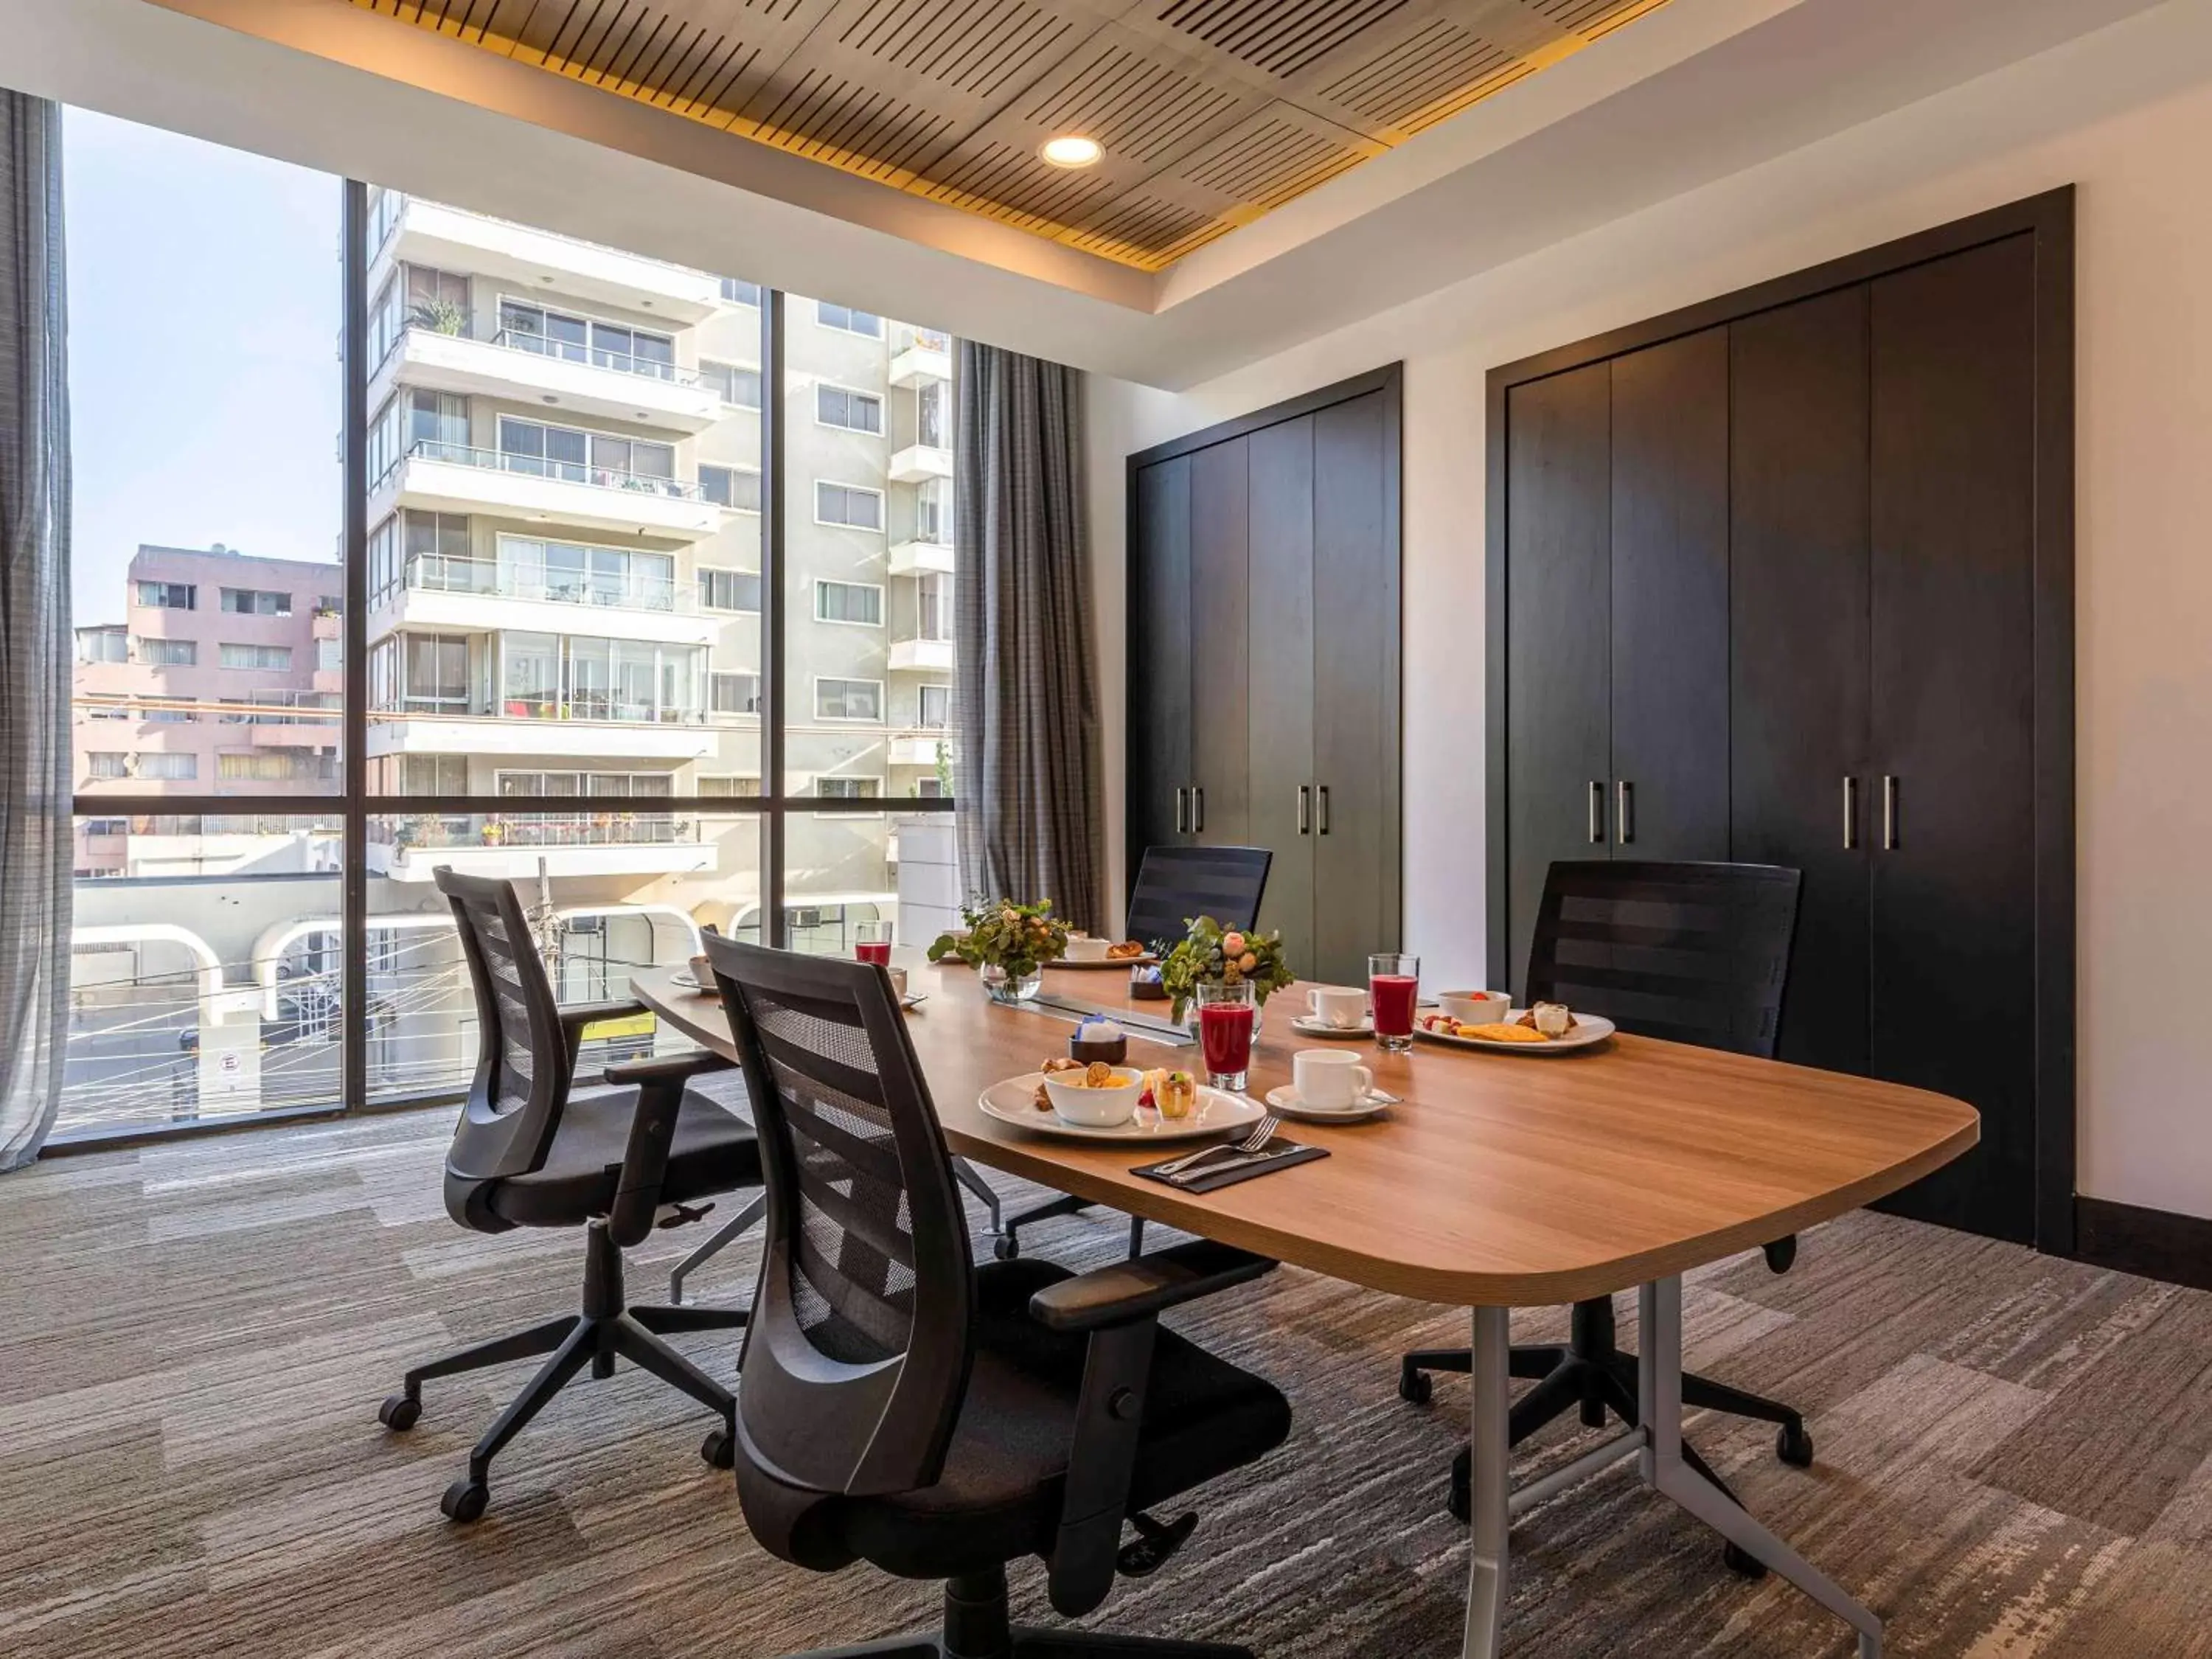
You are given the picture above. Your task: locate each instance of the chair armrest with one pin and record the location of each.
(660, 1070)
(1145, 1286)
(660, 1083)
(575, 1015)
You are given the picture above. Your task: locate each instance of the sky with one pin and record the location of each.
(206, 397)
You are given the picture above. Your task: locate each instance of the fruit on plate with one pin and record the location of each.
(1175, 1095)
(1549, 1019)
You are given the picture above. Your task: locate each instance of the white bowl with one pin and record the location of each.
(1095, 1109)
(1086, 949)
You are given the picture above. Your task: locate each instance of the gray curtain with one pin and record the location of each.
(35, 658)
(1028, 783)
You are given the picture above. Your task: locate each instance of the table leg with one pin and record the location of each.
(724, 1236)
(1659, 1389)
(1490, 1489)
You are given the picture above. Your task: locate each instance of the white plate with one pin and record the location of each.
(1285, 1099)
(681, 979)
(1105, 962)
(1589, 1028)
(1014, 1102)
(1307, 1025)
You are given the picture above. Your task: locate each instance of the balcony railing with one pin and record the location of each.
(541, 466)
(595, 706)
(509, 338)
(435, 572)
(409, 833)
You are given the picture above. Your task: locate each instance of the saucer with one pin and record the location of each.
(1307, 1025)
(1285, 1100)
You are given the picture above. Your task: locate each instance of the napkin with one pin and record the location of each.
(1227, 1171)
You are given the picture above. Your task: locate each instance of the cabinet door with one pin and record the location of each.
(1798, 660)
(1670, 599)
(1952, 632)
(1219, 582)
(1558, 691)
(1159, 751)
(1280, 668)
(1355, 698)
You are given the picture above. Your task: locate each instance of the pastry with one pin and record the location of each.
(1124, 950)
(1501, 1032)
(1549, 1019)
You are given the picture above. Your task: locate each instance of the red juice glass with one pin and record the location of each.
(872, 942)
(1225, 1018)
(1393, 987)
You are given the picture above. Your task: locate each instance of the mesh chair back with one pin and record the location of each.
(1175, 884)
(523, 1065)
(1695, 953)
(858, 1343)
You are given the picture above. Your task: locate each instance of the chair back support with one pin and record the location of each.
(523, 1064)
(860, 1339)
(1175, 884)
(1696, 953)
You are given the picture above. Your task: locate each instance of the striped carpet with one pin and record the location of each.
(2015, 1453)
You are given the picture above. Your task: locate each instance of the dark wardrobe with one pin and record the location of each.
(1787, 578)
(1263, 660)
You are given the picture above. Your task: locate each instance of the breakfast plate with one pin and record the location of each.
(1284, 1102)
(1307, 1025)
(1014, 1102)
(1143, 961)
(1590, 1031)
(683, 980)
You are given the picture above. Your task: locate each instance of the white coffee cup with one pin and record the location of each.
(1330, 1079)
(702, 969)
(1337, 1006)
(1082, 947)
(1476, 1007)
(898, 983)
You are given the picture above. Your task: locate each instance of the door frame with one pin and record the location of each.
(2048, 218)
(1388, 381)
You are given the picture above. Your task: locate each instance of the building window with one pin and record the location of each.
(848, 699)
(519, 785)
(933, 512)
(737, 387)
(102, 645)
(731, 486)
(167, 596)
(740, 294)
(734, 694)
(256, 602)
(275, 766)
(929, 789)
(729, 787)
(330, 655)
(849, 789)
(106, 763)
(268, 659)
(167, 769)
(434, 775)
(582, 457)
(932, 607)
(169, 654)
(847, 410)
(936, 709)
(729, 590)
(170, 716)
(846, 319)
(850, 505)
(436, 672)
(929, 415)
(848, 602)
(578, 572)
(330, 605)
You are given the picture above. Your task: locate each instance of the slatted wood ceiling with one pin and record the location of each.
(1212, 111)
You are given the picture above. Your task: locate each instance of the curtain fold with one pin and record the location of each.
(36, 851)
(1029, 781)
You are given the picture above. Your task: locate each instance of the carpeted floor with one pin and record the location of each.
(2015, 1453)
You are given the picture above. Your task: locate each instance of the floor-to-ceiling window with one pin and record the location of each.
(574, 601)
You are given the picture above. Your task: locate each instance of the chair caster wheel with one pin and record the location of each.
(1005, 1247)
(1793, 1446)
(1741, 1563)
(464, 1501)
(1462, 1502)
(399, 1412)
(720, 1450)
(1414, 1387)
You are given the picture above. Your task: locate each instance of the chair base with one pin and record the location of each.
(1008, 1244)
(976, 1626)
(605, 1332)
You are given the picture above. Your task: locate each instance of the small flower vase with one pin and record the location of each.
(1002, 987)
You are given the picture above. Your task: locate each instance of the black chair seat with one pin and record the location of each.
(714, 1151)
(999, 1496)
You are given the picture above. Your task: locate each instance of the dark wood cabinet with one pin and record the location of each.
(1789, 572)
(1276, 539)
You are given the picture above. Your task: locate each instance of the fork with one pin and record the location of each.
(1262, 1133)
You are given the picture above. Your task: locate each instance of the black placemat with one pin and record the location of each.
(1215, 1173)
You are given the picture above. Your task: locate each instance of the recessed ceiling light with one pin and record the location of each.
(1073, 149)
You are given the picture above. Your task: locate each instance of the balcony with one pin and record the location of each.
(508, 847)
(924, 655)
(920, 559)
(529, 368)
(918, 748)
(918, 463)
(443, 477)
(577, 730)
(476, 595)
(429, 234)
(925, 354)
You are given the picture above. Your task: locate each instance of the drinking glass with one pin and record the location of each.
(1394, 985)
(1225, 1014)
(871, 942)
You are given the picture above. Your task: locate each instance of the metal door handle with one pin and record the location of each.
(1851, 814)
(1596, 813)
(1322, 791)
(1624, 811)
(1179, 812)
(1888, 813)
(1197, 810)
(1306, 803)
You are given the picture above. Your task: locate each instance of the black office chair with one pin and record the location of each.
(1176, 886)
(533, 1150)
(1696, 953)
(898, 1406)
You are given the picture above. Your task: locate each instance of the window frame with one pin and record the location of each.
(821, 583)
(819, 680)
(875, 399)
(883, 515)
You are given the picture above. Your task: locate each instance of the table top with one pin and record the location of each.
(1503, 1180)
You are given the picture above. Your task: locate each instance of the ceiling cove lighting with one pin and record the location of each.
(1072, 150)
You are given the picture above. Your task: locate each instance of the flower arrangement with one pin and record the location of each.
(1016, 940)
(1213, 953)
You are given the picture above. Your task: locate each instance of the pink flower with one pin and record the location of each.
(1232, 945)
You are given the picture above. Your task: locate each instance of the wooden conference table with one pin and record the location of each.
(1503, 1181)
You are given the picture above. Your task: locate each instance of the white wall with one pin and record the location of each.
(2127, 116)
